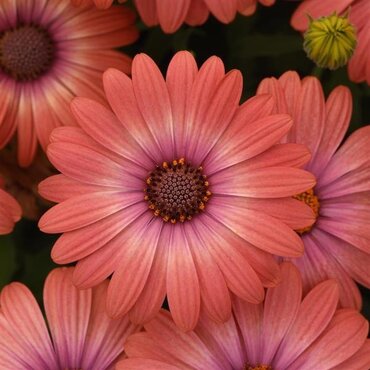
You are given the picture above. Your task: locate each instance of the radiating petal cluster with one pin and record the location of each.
(286, 332)
(162, 134)
(51, 51)
(170, 15)
(359, 15)
(10, 211)
(337, 246)
(82, 336)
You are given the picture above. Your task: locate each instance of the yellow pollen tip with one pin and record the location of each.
(157, 212)
(311, 200)
(330, 41)
(165, 218)
(174, 163)
(182, 160)
(148, 180)
(165, 165)
(173, 221)
(182, 218)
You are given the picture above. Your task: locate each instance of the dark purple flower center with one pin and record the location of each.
(177, 191)
(26, 52)
(259, 367)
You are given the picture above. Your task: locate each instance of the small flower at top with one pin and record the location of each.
(180, 191)
(357, 13)
(330, 41)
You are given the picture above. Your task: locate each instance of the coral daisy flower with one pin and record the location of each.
(179, 191)
(337, 245)
(171, 15)
(10, 211)
(51, 51)
(100, 4)
(359, 15)
(285, 333)
(81, 336)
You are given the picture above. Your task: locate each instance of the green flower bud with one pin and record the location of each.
(330, 41)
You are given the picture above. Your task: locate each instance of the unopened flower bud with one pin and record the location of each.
(330, 41)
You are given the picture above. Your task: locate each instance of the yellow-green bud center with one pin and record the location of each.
(330, 41)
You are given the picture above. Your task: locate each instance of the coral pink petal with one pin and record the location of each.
(287, 155)
(141, 345)
(154, 292)
(86, 209)
(294, 213)
(144, 364)
(343, 337)
(279, 313)
(59, 188)
(250, 317)
(218, 115)
(317, 265)
(183, 299)
(271, 182)
(215, 295)
(197, 14)
(239, 275)
(358, 64)
(224, 11)
(103, 126)
(256, 227)
(171, 17)
(352, 155)
(120, 94)
(99, 265)
(148, 11)
(338, 115)
(316, 9)
(8, 203)
(222, 339)
(134, 265)
(68, 313)
(272, 87)
(314, 315)
(353, 260)
(27, 140)
(7, 111)
(244, 141)
(180, 78)
(184, 346)
(359, 361)
(310, 115)
(154, 103)
(85, 164)
(79, 243)
(105, 337)
(203, 90)
(31, 341)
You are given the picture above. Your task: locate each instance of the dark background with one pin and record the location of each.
(262, 45)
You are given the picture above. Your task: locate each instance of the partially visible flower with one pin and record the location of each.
(100, 4)
(330, 41)
(10, 211)
(180, 191)
(82, 336)
(338, 244)
(359, 16)
(170, 14)
(51, 51)
(285, 332)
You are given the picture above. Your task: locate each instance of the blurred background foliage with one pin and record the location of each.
(260, 46)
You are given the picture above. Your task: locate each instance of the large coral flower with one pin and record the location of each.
(10, 211)
(338, 244)
(359, 15)
(51, 51)
(179, 191)
(81, 336)
(170, 15)
(285, 333)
